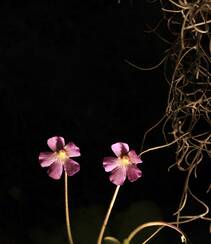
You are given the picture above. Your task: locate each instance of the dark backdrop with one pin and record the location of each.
(63, 72)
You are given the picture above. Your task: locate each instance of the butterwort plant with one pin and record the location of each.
(59, 160)
(121, 166)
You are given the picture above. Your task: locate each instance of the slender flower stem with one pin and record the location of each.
(67, 210)
(100, 237)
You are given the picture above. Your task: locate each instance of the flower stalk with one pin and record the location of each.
(67, 214)
(105, 222)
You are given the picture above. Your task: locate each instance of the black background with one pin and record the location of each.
(63, 72)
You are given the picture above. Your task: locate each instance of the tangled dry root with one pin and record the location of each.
(189, 100)
(188, 113)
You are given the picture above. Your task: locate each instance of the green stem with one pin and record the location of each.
(105, 222)
(67, 215)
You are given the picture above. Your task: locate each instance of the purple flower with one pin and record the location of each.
(60, 158)
(122, 166)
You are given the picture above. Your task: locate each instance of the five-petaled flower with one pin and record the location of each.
(60, 158)
(124, 165)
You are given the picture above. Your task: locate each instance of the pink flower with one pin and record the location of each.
(60, 158)
(122, 166)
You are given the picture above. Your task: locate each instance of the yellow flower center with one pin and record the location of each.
(62, 154)
(124, 160)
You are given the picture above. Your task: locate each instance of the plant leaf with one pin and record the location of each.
(111, 240)
(125, 241)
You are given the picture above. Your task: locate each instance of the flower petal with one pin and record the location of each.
(110, 163)
(72, 150)
(47, 158)
(55, 170)
(120, 148)
(71, 167)
(118, 176)
(134, 158)
(133, 173)
(56, 143)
